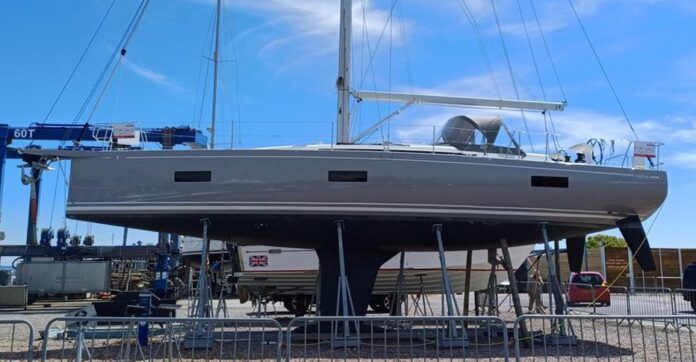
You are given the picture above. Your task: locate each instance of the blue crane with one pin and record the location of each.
(80, 136)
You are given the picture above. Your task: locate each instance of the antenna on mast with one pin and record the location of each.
(343, 81)
(215, 74)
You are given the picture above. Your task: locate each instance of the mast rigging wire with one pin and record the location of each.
(104, 71)
(481, 45)
(197, 115)
(604, 71)
(235, 55)
(79, 62)
(538, 74)
(512, 74)
(548, 50)
(124, 50)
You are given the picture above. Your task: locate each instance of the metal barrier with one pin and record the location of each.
(157, 339)
(684, 303)
(650, 301)
(16, 340)
(623, 301)
(388, 338)
(643, 338)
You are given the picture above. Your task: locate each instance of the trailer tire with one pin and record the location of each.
(381, 303)
(287, 303)
(300, 305)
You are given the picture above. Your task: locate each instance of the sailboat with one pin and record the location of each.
(383, 199)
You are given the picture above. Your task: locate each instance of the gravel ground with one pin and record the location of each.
(610, 339)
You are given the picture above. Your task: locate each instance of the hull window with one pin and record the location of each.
(192, 176)
(347, 176)
(549, 181)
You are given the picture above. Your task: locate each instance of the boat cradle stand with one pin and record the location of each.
(563, 334)
(198, 336)
(344, 301)
(451, 337)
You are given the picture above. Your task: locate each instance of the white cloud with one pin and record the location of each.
(298, 31)
(553, 15)
(153, 76)
(684, 160)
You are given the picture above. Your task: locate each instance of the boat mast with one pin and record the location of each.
(215, 73)
(343, 81)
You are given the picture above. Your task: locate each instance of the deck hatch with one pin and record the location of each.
(550, 181)
(192, 176)
(347, 176)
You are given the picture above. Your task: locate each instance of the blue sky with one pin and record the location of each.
(279, 68)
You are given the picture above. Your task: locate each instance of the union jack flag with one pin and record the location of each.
(258, 260)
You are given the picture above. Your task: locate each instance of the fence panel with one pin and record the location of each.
(581, 337)
(394, 338)
(160, 339)
(684, 303)
(16, 340)
(650, 301)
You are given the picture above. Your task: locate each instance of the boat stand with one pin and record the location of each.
(467, 282)
(198, 336)
(449, 338)
(421, 297)
(491, 304)
(222, 302)
(561, 336)
(396, 308)
(514, 292)
(343, 300)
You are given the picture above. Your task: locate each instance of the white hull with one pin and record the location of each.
(291, 271)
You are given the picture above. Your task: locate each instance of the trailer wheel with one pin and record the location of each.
(300, 305)
(287, 303)
(380, 303)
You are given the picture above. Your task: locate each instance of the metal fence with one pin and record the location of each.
(16, 340)
(393, 338)
(159, 339)
(605, 300)
(531, 337)
(581, 337)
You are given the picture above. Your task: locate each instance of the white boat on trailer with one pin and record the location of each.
(289, 275)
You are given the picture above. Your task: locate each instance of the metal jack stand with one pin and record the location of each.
(222, 302)
(561, 337)
(344, 299)
(198, 336)
(395, 308)
(450, 337)
(491, 298)
(507, 264)
(81, 345)
(421, 296)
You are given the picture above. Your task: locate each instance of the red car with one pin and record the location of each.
(587, 287)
